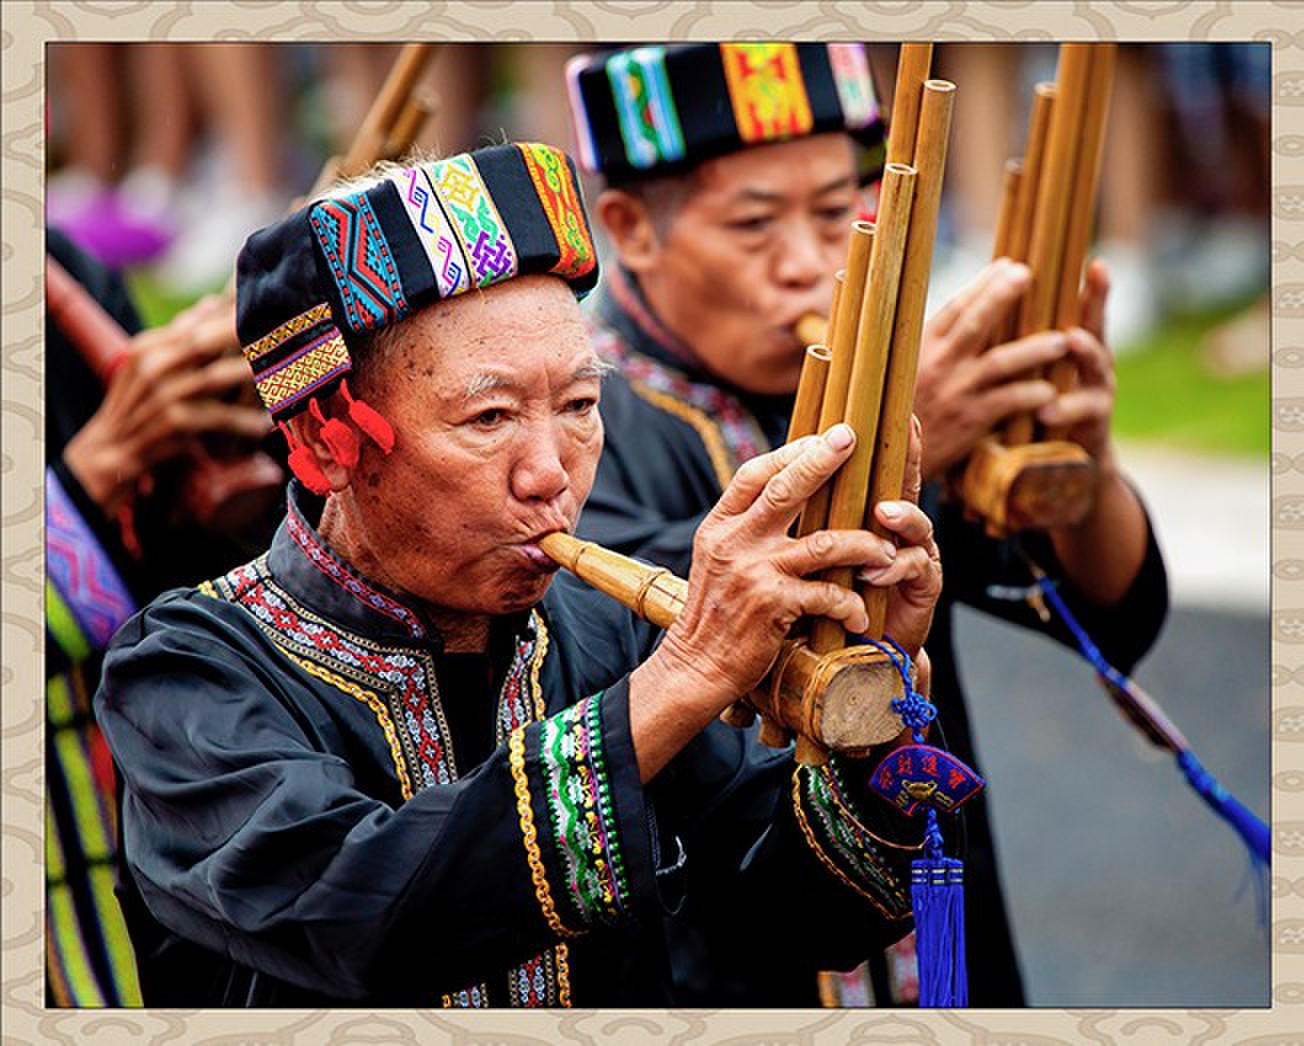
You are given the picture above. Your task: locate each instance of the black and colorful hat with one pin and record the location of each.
(664, 108)
(347, 266)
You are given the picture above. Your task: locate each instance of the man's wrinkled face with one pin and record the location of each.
(493, 396)
(751, 250)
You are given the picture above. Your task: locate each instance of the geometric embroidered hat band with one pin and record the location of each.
(662, 109)
(350, 265)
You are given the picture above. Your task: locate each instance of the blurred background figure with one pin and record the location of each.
(1183, 217)
(169, 153)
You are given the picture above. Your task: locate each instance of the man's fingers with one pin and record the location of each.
(910, 564)
(825, 599)
(835, 548)
(1016, 397)
(215, 417)
(1077, 407)
(970, 317)
(1095, 293)
(789, 489)
(912, 483)
(1002, 363)
(212, 380)
(909, 522)
(751, 477)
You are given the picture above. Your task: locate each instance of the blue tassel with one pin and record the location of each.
(936, 881)
(1252, 830)
(937, 898)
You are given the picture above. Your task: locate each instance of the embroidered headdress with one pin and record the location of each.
(664, 108)
(311, 286)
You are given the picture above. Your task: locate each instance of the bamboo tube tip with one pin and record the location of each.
(865, 228)
(901, 170)
(819, 352)
(1046, 89)
(840, 276)
(939, 86)
(1014, 166)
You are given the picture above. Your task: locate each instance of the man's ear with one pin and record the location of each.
(307, 432)
(630, 229)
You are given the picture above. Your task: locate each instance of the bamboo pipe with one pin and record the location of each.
(1082, 206)
(408, 125)
(1010, 183)
(1034, 159)
(865, 389)
(810, 392)
(369, 143)
(1045, 248)
(813, 328)
(1050, 220)
(1019, 428)
(843, 346)
(913, 64)
(844, 698)
(889, 464)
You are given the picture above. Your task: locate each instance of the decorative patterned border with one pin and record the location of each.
(559, 196)
(842, 845)
(767, 91)
(580, 812)
(28, 26)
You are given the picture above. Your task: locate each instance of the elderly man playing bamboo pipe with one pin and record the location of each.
(398, 761)
(731, 174)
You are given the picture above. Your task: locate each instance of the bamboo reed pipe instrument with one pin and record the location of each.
(836, 699)
(873, 336)
(1023, 478)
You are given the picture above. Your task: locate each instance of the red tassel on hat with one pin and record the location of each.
(337, 436)
(305, 466)
(369, 421)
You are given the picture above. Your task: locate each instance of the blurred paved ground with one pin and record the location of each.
(1125, 889)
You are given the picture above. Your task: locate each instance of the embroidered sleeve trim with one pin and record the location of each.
(581, 812)
(843, 846)
(530, 836)
(93, 595)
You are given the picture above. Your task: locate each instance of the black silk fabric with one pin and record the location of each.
(658, 478)
(282, 847)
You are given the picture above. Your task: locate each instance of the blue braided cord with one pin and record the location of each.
(1253, 831)
(1089, 649)
(932, 836)
(915, 710)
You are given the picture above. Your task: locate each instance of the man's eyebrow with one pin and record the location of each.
(594, 369)
(483, 383)
(846, 181)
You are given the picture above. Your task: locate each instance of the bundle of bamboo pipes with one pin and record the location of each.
(834, 696)
(874, 333)
(1029, 478)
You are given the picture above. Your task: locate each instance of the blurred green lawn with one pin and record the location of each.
(1166, 394)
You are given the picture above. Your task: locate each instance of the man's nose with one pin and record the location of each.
(540, 472)
(800, 261)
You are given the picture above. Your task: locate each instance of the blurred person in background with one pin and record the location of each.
(117, 533)
(724, 236)
(170, 153)
(1184, 180)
